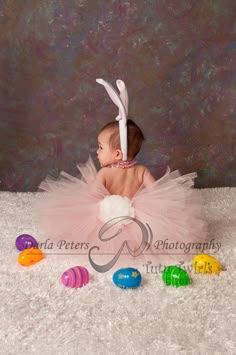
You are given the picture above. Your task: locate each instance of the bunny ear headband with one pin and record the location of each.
(121, 101)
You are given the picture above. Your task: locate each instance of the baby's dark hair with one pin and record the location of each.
(134, 133)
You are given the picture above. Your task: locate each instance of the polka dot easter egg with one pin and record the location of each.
(75, 277)
(127, 278)
(204, 263)
(29, 257)
(175, 276)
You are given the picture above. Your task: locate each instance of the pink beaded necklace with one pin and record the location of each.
(123, 164)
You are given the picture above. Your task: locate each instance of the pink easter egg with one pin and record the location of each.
(75, 277)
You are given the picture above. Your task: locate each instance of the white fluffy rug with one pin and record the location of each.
(40, 316)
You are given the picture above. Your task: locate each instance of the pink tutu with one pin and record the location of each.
(160, 223)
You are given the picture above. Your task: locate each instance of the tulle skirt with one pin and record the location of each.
(161, 223)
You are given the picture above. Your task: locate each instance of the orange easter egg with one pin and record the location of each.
(30, 256)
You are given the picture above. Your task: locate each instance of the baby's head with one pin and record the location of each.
(109, 142)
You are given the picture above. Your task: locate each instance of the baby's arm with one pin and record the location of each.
(101, 176)
(148, 179)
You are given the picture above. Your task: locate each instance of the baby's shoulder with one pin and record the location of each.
(104, 171)
(141, 169)
(145, 177)
(103, 174)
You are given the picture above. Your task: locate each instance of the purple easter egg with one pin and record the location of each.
(75, 277)
(25, 241)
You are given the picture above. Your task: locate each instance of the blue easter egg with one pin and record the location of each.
(127, 277)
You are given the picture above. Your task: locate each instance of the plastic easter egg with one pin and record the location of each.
(26, 241)
(75, 277)
(127, 278)
(30, 256)
(175, 276)
(207, 264)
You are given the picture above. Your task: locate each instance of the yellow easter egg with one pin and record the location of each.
(206, 264)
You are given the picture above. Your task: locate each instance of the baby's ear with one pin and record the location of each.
(118, 154)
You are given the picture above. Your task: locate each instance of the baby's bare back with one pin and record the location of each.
(123, 182)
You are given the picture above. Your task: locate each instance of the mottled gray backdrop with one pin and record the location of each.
(176, 57)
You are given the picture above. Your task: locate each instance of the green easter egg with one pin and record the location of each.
(175, 276)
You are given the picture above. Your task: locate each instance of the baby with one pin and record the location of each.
(123, 192)
(130, 176)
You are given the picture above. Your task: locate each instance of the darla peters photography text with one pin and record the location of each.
(165, 244)
(146, 242)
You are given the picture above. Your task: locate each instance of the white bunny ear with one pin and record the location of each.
(122, 104)
(123, 94)
(123, 122)
(114, 97)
